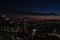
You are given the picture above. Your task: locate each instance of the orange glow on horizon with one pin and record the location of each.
(44, 19)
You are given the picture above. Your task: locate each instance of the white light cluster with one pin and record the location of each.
(34, 30)
(7, 18)
(4, 15)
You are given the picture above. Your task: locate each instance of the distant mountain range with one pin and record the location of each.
(19, 12)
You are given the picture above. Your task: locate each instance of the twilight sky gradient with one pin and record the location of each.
(39, 6)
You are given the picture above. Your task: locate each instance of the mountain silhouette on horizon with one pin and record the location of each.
(20, 12)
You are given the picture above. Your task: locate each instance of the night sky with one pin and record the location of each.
(38, 6)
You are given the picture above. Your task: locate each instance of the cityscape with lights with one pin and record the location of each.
(30, 27)
(29, 19)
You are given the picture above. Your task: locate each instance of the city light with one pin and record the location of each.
(3, 15)
(30, 29)
(34, 30)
